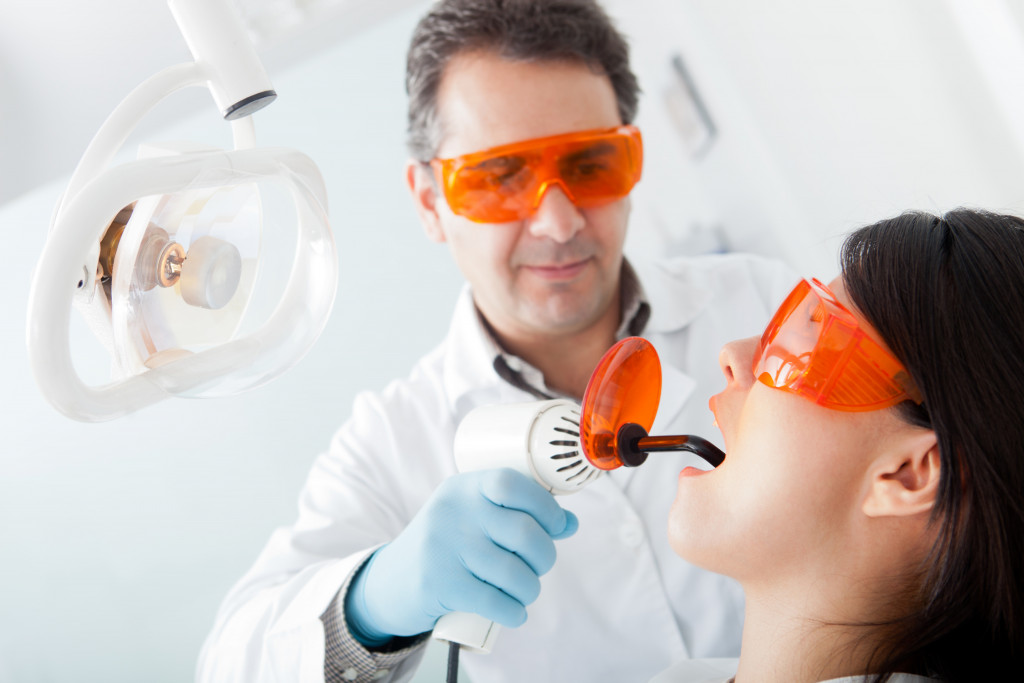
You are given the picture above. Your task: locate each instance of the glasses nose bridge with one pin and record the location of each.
(546, 184)
(547, 174)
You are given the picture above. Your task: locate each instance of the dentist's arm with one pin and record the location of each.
(478, 545)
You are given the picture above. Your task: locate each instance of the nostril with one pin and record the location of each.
(724, 362)
(737, 360)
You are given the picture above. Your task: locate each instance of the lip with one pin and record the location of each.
(692, 472)
(711, 407)
(717, 424)
(562, 271)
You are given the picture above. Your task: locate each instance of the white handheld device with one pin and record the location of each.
(539, 439)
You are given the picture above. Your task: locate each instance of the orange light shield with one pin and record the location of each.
(815, 348)
(625, 387)
(507, 183)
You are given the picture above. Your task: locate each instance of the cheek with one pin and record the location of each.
(795, 461)
(787, 484)
(479, 247)
(607, 225)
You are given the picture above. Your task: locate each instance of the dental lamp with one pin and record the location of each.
(564, 447)
(204, 272)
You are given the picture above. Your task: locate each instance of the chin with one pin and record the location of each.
(693, 534)
(682, 532)
(559, 318)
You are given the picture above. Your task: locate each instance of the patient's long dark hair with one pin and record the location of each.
(947, 295)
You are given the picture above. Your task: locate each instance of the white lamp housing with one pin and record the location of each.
(218, 42)
(167, 257)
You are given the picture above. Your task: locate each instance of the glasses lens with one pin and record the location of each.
(597, 170)
(815, 347)
(491, 189)
(790, 339)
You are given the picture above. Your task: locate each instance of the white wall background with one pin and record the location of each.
(120, 539)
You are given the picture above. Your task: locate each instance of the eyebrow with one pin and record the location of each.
(599, 149)
(505, 161)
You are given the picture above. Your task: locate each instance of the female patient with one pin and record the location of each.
(872, 499)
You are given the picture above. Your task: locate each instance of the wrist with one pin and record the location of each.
(357, 616)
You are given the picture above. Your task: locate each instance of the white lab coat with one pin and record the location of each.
(618, 606)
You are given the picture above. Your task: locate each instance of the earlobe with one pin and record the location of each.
(905, 482)
(425, 197)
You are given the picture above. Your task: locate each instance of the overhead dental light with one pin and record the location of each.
(203, 271)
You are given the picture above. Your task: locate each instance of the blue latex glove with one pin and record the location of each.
(479, 544)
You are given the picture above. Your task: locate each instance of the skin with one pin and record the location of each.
(822, 515)
(549, 284)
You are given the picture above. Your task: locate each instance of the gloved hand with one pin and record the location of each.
(479, 544)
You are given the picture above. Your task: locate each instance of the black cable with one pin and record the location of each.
(453, 663)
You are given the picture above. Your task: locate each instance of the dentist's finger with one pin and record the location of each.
(504, 570)
(511, 489)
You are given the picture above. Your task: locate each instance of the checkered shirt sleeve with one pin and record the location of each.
(347, 660)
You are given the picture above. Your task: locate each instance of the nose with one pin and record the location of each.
(737, 362)
(556, 217)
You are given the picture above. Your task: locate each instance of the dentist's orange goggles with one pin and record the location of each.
(507, 183)
(815, 348)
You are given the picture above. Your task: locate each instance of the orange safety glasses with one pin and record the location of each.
(815, 348)
(507, 183)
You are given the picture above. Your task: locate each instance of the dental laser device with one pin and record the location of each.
(564, 447)
(167, 258)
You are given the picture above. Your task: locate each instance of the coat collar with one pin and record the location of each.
(676, 295)
(468, 364)
(672, 297)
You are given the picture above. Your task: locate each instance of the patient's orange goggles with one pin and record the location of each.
(507, 183)
(814, 347)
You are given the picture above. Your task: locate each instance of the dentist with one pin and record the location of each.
(524, 155)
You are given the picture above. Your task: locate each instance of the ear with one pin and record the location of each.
(425, 196)
(905, 481)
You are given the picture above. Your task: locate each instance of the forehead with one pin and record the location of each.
(485, 101)
(838, 287)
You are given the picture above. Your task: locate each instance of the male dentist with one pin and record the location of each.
(524, 155)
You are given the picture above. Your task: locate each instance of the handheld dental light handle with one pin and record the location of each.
(538, 439)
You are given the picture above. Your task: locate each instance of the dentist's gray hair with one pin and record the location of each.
(526, 30)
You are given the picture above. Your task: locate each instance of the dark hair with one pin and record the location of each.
(526, 30)
(947, 295)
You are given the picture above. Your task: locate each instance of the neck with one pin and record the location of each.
(835, 615)
(566, 359)
(810, 632)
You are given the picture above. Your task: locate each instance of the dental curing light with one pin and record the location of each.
(167, 258)
(619, 407)
(538, 439)
(565, 447)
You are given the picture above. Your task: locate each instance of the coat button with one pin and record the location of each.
(350, 674)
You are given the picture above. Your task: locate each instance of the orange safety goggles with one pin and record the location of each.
(507, 183)
(815, 348)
